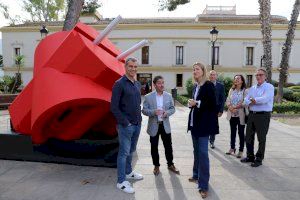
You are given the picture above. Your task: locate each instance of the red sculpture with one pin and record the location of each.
(70, 92)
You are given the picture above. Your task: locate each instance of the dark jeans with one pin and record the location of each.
(201, 162)
(258, 123)
(234, 125)
(167, 141)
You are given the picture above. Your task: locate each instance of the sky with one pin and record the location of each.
(149, 8)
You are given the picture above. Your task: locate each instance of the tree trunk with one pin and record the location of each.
(72, 17)
(265, 17)
(286, 51)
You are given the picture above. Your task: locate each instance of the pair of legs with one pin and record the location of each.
(128, 138)
(234, 126)
(201, 162)
(167, 141)
(212, 137)
(257, 123)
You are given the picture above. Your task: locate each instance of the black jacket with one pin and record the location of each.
(205, 118)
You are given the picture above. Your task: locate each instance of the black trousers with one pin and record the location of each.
(234, 125)
(257, 123)
(167, 141)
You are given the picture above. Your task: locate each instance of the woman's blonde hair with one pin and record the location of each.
(203, 68)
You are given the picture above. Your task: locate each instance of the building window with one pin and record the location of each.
(145, 55)
(249, 80)
(249, 55)
(179, 55)
(217, 55)
(17, 52)
(178, 80)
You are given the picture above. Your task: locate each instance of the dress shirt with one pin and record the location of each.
(159, 104)
(263, 95)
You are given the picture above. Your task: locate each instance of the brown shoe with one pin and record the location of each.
(156, 170)
(191, 179)
(203, 193)
(173, 169)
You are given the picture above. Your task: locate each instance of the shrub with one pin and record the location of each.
(295, 88)
(286, 92)
(189, 87)
(182, 99)
(275, 83)
(288, 107)
(227, 81)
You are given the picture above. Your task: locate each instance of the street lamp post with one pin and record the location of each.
(261, 60)
(44, 32)
(213, 38)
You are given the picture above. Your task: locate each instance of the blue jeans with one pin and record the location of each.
(128, 138)
(201, 162)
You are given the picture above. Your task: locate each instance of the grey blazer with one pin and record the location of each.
(149, 107)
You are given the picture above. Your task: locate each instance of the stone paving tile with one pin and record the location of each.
(278, 177)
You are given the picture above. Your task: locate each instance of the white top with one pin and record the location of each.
(159, 104)
(198, 103)
(263, 95)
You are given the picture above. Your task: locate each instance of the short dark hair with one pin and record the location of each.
(156, 78)
(132, 59)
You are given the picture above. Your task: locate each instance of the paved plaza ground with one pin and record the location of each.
(277, 179)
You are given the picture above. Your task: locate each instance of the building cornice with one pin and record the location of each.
(191, 26)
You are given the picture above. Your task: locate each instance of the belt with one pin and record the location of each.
(160, 122)
(259, 112)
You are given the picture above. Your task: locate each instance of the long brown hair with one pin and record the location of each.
(243, 86)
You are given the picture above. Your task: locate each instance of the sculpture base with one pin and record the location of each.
(86, 152)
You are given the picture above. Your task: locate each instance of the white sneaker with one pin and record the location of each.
(134, 176)
(125, 186)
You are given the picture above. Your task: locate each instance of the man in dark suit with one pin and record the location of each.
(220, 99)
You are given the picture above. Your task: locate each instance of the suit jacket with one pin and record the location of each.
(204, 117)
(220, 96)
(149, 107)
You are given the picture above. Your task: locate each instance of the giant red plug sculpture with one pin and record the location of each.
(70, 92)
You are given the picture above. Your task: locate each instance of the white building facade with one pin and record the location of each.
(175, 44)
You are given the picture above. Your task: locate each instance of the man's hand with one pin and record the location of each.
(165, 114)
(158, 112)
(252, 101)
(220, 114)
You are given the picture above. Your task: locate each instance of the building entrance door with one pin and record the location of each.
(146, 81)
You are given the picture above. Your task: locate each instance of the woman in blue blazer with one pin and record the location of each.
(202, 123)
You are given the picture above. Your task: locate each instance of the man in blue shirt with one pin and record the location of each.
(126, 107)
(260, 101)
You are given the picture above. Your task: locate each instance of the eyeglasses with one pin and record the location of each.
(259, 74)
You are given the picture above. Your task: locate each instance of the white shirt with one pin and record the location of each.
(159, 105)
(198, 103)
(263, 95)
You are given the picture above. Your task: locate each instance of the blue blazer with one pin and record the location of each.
(220, 96)
(204, 118)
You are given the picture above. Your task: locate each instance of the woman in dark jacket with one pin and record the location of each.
(202, 122)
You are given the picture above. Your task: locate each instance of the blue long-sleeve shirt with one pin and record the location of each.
(126, 101)
(263, 95)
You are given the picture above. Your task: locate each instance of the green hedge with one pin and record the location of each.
(182, 99)
(288, 107)
(295, 88)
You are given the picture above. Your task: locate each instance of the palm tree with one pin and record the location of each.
(72, 17)
(286, 51)
(265, 17)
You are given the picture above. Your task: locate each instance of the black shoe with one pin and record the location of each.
(212, 145)
(247, 160)
(256, 163)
